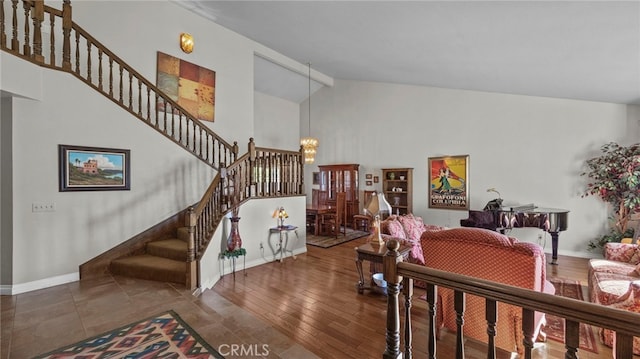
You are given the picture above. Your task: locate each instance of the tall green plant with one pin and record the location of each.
(614, 177)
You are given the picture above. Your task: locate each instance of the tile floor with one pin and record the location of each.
(40, 321)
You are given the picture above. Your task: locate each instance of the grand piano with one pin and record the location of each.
(552, 220)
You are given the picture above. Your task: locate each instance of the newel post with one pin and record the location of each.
(192, 270)
(390, 268)
(66, 35)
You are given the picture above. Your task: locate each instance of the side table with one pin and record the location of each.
(374, 252)
(232, 256)
(283, 240)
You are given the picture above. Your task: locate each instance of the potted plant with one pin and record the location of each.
(614, 177)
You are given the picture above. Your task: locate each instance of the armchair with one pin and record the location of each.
(615, 282)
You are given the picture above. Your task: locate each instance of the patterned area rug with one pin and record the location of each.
(330, 241)
(555, 326)
(162, 336)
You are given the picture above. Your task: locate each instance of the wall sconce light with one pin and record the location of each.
(186, 42)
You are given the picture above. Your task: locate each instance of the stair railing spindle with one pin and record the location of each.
(26, 47)
(14, 20)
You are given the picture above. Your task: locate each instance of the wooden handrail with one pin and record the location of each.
(623, 322)
(259, 173)
(255, 174)
(90, 61)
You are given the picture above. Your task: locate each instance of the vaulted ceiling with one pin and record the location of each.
(586, 50)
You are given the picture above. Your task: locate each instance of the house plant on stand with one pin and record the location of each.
(614, 177)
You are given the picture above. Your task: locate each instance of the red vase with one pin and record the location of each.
(234, 241)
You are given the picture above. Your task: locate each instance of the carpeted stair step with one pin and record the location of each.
(150, 267)
(169, 248)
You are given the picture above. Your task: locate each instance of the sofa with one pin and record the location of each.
(615, 282)
(489, 255)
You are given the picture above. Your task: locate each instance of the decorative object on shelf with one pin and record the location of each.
(180, 80)
(280, 213)
(93, 169)
(186, 42)
(400, 186)
(449, 182)
(614, 176)
(309, 144)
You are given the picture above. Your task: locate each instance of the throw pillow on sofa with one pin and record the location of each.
(412, 226)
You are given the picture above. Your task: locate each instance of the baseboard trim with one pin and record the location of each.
(39, 284)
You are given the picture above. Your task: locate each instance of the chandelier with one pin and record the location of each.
(309, 144)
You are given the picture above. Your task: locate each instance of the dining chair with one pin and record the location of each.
(312, 217)
(335, 223)
(363, 221)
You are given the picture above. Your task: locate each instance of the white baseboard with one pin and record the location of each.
(73, 277)
(39, 284)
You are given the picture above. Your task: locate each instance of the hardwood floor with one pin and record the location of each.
(302, 308)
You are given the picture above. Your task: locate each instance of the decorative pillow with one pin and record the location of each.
(637, 269)
(622, 252)
(393, 228)
(412, 227)
(635, 258)
(434, 227)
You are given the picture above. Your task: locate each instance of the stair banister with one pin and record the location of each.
(261, 172)
(125, 86)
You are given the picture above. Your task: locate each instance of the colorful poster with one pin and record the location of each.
(449, 182)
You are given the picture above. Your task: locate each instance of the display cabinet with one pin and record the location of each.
(397, 185)
(341, 178)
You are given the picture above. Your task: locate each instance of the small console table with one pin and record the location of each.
(232, 256)
(283, 240)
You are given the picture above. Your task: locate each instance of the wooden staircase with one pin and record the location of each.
(164, 260)
(261, 172)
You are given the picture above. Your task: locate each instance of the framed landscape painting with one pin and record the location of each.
(449, 182)
(93, 168)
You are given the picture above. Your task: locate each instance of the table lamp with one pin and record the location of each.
(280, 213)
(378, 208)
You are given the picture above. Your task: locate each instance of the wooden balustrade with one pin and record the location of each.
(108, 74)
(262, 172)
(400, 276)
(259, 173)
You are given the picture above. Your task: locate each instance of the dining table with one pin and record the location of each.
(316, 211)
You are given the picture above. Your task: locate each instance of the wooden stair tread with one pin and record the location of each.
(151, 267)
(174, 248)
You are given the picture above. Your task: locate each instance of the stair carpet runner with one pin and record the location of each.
(163, 260)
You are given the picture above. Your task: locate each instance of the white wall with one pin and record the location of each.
(52, 108)
(531, 149)
(6, 188)
(255, 221)
(276, 122)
